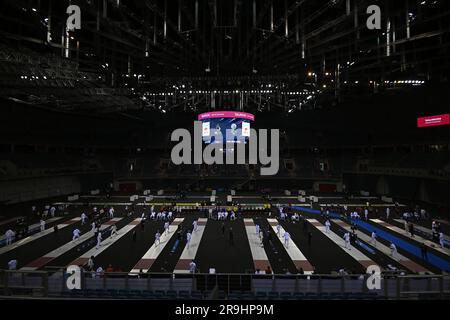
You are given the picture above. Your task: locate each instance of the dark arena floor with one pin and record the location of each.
(225, 155)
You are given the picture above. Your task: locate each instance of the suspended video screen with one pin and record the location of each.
(226, 126)
(433, 121)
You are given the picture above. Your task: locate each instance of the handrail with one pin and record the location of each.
(53, 283)
(54, 269)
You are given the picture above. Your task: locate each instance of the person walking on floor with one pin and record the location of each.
(157, 237)
(192, 267)
(231, 236)
(195, 225)
(83, 218)
(411, 230)
(394, 252)
(347, 240)
(287, 236)
(188, 239)
(9, 234)
(99, 240)
(113, 230)
(166, 227)
(327, 226)
(373, 239)
(442, 239)
(424, 251)
(90, 263)
(76, 234)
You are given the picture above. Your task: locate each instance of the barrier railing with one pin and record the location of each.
(53, 283)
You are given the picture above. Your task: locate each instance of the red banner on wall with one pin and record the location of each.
(431, 121)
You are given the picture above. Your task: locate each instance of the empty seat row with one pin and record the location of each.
(200, 295)
(302, 295)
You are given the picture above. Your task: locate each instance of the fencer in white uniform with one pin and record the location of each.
(42, 223)
(76, 234)
(373, 239)
(192, 267)
(83, 218)
(347, 240)
(99, 240)
(9, 235)
(287, 236)
(394, 252)
(195, 225)
(113, 230)
(188, 239)
(257, 229)
(157, 237)
(166, 227)
(90, 263)
(111, 213)
(327, 226)
(441, 240)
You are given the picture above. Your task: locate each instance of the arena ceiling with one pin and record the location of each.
(177, 54)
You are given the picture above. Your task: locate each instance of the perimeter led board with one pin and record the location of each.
(433, 121)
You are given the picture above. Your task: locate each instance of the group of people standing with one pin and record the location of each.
(26, 225)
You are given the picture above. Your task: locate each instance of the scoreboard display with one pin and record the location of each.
(226, 126)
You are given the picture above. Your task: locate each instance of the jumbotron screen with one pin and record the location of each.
(226, 126)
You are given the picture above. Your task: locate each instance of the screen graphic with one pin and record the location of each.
(226, 126)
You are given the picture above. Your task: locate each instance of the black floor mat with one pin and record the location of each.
(323, 253)
(216, 251)
(169, 257)
(279, 259)
(37, 248)
(66, 258)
